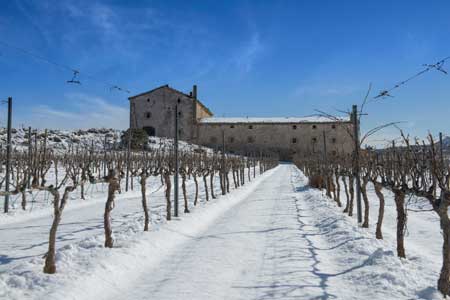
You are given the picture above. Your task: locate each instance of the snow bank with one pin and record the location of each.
(356, 256)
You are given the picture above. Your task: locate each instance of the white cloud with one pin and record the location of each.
(84, 112)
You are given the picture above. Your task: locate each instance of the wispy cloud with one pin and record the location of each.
(248, 53)
(85, 112)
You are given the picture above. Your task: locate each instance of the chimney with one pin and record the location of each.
(194, 91)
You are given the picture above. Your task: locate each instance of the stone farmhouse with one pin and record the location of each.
(154, 111)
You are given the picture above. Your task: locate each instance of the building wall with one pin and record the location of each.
(156, 109)
(279, 137)
(160, 103)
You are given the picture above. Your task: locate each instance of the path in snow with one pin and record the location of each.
(259, 249)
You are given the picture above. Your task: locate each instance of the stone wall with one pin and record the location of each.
(284, 138)
(156, 109)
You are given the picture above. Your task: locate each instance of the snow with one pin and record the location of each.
(274, 238)
(310, 119)
(62, 140)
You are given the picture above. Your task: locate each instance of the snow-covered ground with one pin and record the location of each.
(274, 238)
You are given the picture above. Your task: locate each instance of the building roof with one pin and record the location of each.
(269, 120)
(166, 86)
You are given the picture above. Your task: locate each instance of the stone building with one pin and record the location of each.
(154, 111)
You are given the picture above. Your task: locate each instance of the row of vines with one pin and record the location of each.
(414, 169)
(61, 173)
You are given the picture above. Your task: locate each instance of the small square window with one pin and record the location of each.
(148, 115)
(148, 99)
(231, 126)
(314, 139)
(314, 126)
(294, 141)
(231, 139)
(250, 126)
(333, 126)
(333, 140)
(294, 126)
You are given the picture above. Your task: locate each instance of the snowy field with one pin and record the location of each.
(273, 238)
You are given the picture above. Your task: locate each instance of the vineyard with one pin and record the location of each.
(43, 177)
(417, 173)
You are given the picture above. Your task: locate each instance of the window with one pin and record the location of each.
(148, 115)
(333, 126)
(231, 139)
(294, 140)
(250, 139)
(148, 99)
(294, 126)
(232, 126)
(250, 126)
(314, 126)
(314, 139)
(333, 140)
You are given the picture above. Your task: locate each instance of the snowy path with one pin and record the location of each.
(263, 248)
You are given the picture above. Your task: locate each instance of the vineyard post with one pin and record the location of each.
(223, 162)
(30, 157)
(104, 156)
(441, 149)
(325, 160)
(128, 159)
(175, 180)
(356, 167)
(8, 155)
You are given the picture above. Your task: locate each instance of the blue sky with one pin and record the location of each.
(248, 58)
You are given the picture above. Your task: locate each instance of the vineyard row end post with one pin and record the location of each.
(8, 155)
(356, 167)
(175, 190)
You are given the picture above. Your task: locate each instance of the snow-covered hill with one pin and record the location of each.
(99, 138)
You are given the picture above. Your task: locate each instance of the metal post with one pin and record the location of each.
(325, 161)
(441, 150)
(128, 159)
(30, 158)
(356, 167)
(8, 155)
(223, 164)
(104, 157)
(176, 162)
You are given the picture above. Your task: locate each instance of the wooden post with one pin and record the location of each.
(8, 155)
(356, 167)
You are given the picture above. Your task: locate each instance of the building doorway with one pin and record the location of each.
(150, 130)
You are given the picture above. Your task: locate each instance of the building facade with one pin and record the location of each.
(154, 111)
